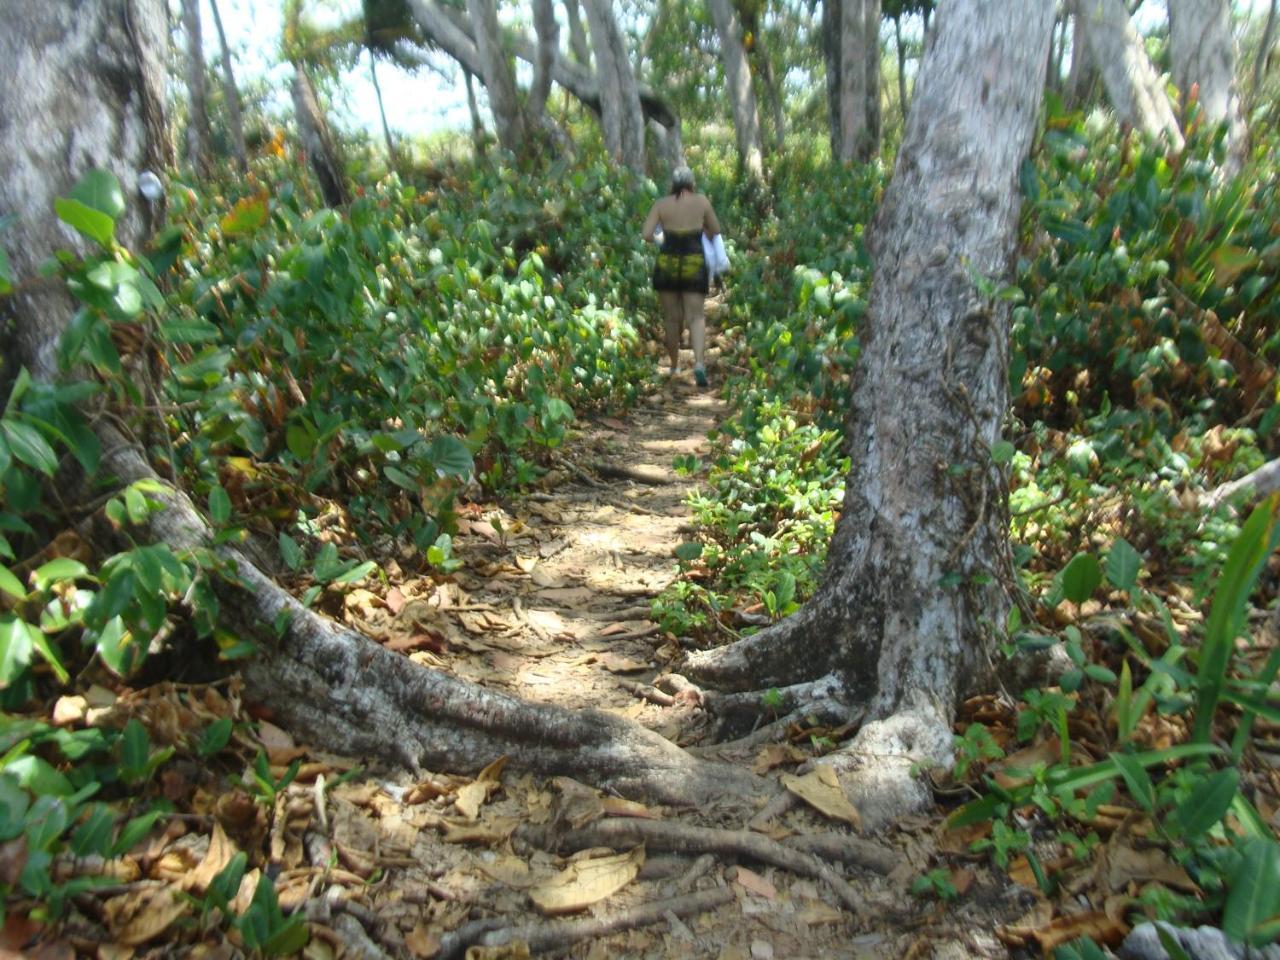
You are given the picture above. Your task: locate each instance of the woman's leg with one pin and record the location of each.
(695, 317)
(673, 316)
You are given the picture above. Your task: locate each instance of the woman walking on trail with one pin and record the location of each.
(680, 274)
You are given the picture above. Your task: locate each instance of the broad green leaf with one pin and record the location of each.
(1208, 803)
(219, 505)
(450, 457)
(358, 572)
(290, 552)
(248, 214)
(300, 440)
(11, 584)
(1081, 577)
(88, 222)
(216, 736)
(1123, 563)
(100, 190)
(1002, 451)
(16, 644)
(39, 777)
(26, 443)
(13, 806)
(400, 478)
(115, 647)
(58, 569)
(134, 831)
(688, 552)
(93, 836)
(6, 273)
(1254, 896)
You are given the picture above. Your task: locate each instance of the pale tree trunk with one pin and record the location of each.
(670, 146)
(742, 99)
(1081, 73)
(577, 34)
(1202, 52)
(477, 125)
(547, 32)
(831, 53)
(499, 78)
(317, 141)
(872, 37)
(100, 85)
(198, 115)
(393, 158)
(610, 80)
(772, 87)
(855, 133)
(79, 89)
(929, 394)
(1263, 61)
(1134, 88)
(231, 93)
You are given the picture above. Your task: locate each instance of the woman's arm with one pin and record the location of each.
(650, 224)
(710, 225)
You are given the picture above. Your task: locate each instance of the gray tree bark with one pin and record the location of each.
(231, 94)
(871, 33)
(771, 86)
(198, 110)
(1134, 88)
(1263, 60)
(632, 115)
(831, 56)
(496, 71)
(578, 44)
(98, 103)
(742, 99)
(1203, 56)
(317, 141)
(902, 67)
(59, 64)
(855, 134)
(610, 80)
(929, 393)
(477, 124)
(547, 32)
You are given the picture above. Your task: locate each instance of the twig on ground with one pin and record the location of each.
(663, 835)
(581, 474)
(559, 934)
(647, 692)
(622, 471)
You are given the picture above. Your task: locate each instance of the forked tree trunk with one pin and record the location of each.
(632, 116)
(231, 93)
(1134, 88)
(498, 75)
(198, 115)
(913, 594)
(332, 686)
(313, 130)
(1202, 52)
(742, 99)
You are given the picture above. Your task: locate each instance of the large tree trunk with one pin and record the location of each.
(313, 130)
(1263, 60)
(771, 85)
(1203, 55)
(604, 30)
(80, 89)
(902, 67)
(914, 591)
(609, 78)
(499, 78)
(577, 35)
(831, 54)
(231, 93)
(855, 134)
(871, 36)
(198, 110)
(1134, 88)
(742, 99)
(332, 686)
(547, 32)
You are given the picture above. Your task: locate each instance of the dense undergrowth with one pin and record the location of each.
(1143, 374)
(437, 340)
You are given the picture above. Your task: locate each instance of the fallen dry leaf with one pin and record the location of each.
(1095, 924)
(510, 870)
(616, 663)
(754, 884)
(542, 578)
(1126, 865)
(395, 601)
(821, 790)
(585, 882)
(422, 942)
(618, 807)
(777, 755)
(511, 951)
(496, 830)
(219, 854)
(139, 916)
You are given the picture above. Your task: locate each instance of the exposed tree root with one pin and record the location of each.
(338, 688)
(559, 934)
(771, 658)
(623, 471)
(664, 835)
